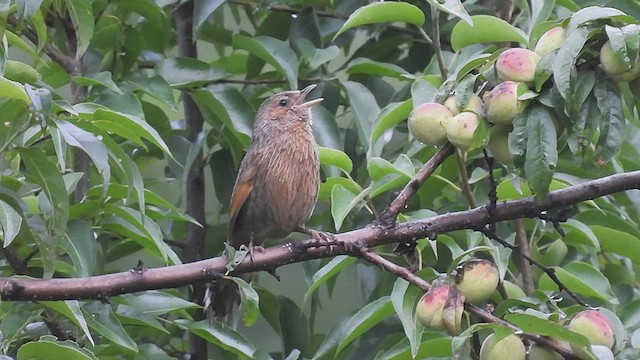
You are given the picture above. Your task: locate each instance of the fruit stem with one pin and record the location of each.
(464, 179)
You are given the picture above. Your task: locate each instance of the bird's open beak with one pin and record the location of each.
(303, 94)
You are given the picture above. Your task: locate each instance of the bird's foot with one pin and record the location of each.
(253, 248)
(322, 238)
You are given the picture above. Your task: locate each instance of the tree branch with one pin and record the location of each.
(20, 288)
(388, 216)
(377, 260)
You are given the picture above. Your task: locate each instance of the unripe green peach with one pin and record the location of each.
(551, 254)
(552, 39)
(616, 68)
(475, 105)
(477, 279)
(502, 104)
(428, 123)
(509, 348)
(461, 128)
(430, 306)
(595, 326)
(513, 291)
(537, 352)
(517, 64)
(499, 144)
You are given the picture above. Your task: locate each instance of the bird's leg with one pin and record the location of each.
(324, 238)
(253, 247)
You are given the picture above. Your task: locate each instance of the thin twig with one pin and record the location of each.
(377, 260)
(525, 251)
(464, 179)
(437, 47)
(550, 271)
(388, 216)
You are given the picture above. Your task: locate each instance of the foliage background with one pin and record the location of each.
(126, 122)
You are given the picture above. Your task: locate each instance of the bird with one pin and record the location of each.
(277, 185)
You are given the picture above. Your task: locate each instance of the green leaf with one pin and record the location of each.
(390, 116)
(249, 300)
(315, 56)
(535, 325)
(13, 90)
(101, 319)
(612, 122)
(624, 42)
(383, 12)
(274, 52)
(404, 299)
(583, 279)
(485, 29)
(618, 242)
(229, 105)
(49, 348)
(202, 10)
(11, 222)
(591, 13)
(342, 202)
(45, 174)
(91, 145)
(330, 270)
(335, 158)
(184, 73)
(140, 228)
(370, 315)
(542, 152)
(155, 302)
(368, 66)
(79, 243)
(81, 13)
(563, 68)
(154, 86)
(72, 311)
(364, 104)
(453, 7)
(130, 127)
(221, 335)
(103, 78)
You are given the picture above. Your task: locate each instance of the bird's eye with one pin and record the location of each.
(283, 102)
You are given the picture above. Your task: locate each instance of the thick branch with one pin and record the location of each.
(19, 288)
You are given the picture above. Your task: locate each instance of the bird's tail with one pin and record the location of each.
(222, 297)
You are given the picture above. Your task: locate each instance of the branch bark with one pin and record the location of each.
(104, 286)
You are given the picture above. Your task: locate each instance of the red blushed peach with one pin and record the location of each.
(517, 64)
(461, 129)
(430, 306)
(549, 41)
(502, 104)
(595, 326)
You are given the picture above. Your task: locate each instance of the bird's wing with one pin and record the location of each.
(241, 191)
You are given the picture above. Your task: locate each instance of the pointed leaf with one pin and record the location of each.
(383, 12)
(81, 12)
(274, 52)
(330, 270)
(222, 336)
(50, 348)
(11, 222)
(370, 315)
(72, 311)
(485, 29)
